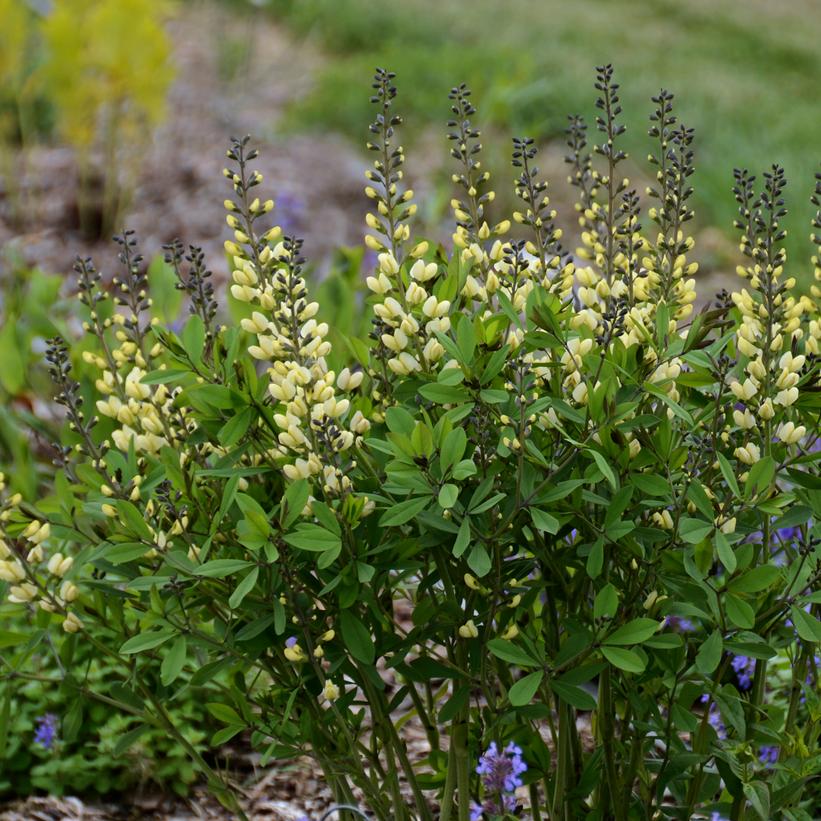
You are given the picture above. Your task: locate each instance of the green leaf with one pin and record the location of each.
(694, 531)
(12, 363)
(755, 580)
(732, 708)
(253, 530)
(464, 469)
(444, 394)
(479, 561)
(166, 298)
(243, 589)
(462, 538)
(8, 639)
(127, 740)
(664, 641)
(327, 517)
(739, 612)
(725, 552)
(403, 511)
(627, 660)
(605, 469)
(399, 420)
(294, 501)
(173, 662)
(544, 521)
(760, 476)
(606, 602)
(133, 520)
(163, 377)
(450, 376)
(595, 559)
(508, 651)
(618, 504)
(453, 448)
(488, 503)
(709, 654)
(758, 794)
(314, 538)
(651, 484)
(448, 495)
(224, 735)
(807, 626)
(220, 568)
(422, 440)
(455, 703)
(573, 695)
(357, 638)
(634, 632)
(146, 641)
(698, 496)
(236, 427)
(466, 338)
(729, 475)
(224, 713)
(493, 396)
(123, 552)
(193, 338)
(522, 692)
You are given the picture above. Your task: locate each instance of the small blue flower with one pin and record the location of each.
(768, 754)
(714, 717)
(680, 624)
(744, 670)
(501, 773)
(290, 641)
(46, 733)
(291, 210)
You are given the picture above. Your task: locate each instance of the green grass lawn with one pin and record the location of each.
(745, 75)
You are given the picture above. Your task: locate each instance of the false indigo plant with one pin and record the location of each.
(533, 514)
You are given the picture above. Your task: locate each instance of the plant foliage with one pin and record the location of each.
(546, 511)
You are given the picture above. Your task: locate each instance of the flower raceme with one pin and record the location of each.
(539, 477)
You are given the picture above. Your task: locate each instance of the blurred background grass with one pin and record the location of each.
(745, 75)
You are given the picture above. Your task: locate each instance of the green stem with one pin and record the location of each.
(611, 797)
(564, 763)
(738, 810)
(450, 785)
(459, 742)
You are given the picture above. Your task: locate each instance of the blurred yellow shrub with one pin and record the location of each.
(14, 34)
(107, 66)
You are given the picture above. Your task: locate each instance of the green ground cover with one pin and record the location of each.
(745, 75)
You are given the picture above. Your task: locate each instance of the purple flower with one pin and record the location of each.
(744, 669)
(290, 641)
(501, 773)
(714, 717)
(290, 212)
(46, 733)
(768, 754)
(680, 624)
(787, 534)
(369, 261)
